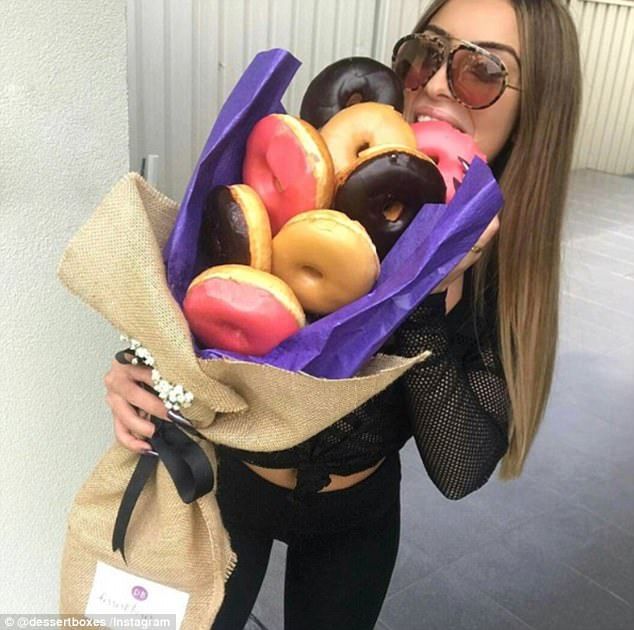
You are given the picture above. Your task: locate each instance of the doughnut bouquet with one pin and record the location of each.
(276, 207)
(301, 264)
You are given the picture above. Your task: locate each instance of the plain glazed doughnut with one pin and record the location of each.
(452, 149)
(235, 228)
(346, 82)
(326, 258)
(385, 189)
(288, 165)
(361, 127)
(241, 309)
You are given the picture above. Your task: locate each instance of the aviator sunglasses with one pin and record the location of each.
(476, 77)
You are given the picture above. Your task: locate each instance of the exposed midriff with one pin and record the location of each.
(287, 477)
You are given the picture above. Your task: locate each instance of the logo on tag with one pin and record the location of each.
(138, 592)
(117, 591)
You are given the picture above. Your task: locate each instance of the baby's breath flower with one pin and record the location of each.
(173, 396)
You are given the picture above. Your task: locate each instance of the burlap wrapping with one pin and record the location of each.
(114, 264)
(181, 545)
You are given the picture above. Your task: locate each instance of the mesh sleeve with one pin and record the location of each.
(457, 400)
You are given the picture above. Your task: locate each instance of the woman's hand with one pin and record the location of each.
(123, 391)
(470, 258)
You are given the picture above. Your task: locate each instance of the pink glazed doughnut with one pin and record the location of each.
(289, 166)
(451, 149)
(241, 309)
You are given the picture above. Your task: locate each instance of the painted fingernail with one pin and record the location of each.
(178, 419)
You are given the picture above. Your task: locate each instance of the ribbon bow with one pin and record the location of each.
(185, 461)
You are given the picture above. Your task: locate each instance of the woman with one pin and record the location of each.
(491, 324)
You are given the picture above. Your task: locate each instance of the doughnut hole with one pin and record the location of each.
(354, 98)
(277, 184)
(312, 273)
(363, 147)
(393, 211)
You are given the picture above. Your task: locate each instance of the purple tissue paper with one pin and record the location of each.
(339, 344)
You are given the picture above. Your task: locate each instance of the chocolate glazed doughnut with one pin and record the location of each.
(235, 228)
(346, 82)
(385, 189)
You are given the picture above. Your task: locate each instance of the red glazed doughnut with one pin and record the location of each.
(288, 165)
(241, 309)
(326, 258)
(451, 149)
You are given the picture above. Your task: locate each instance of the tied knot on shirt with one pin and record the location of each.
(311, 478)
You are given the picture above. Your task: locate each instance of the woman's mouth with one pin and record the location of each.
(440, 116)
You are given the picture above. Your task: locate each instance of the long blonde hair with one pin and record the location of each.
(533, 171)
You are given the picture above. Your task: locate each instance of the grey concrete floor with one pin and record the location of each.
(553, 550)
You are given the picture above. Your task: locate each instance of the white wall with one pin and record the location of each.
(63, 144)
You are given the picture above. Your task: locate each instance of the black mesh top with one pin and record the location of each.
(455, 405)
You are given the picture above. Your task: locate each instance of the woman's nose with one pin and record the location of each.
(437, 86)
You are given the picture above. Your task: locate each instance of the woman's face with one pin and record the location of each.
(475, 21)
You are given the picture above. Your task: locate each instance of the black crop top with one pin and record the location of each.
(455, 404)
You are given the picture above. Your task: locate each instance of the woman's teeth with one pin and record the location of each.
(425, 118)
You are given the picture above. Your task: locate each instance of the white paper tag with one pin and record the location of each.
(119, 592)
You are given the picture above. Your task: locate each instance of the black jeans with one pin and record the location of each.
(341, 547)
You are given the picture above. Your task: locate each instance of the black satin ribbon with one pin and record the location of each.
(185, 461)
